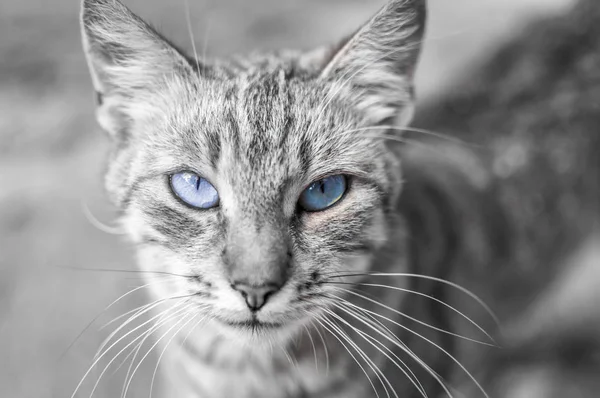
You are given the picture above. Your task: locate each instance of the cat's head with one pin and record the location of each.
(256, 179)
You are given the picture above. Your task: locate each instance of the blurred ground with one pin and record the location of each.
(52, 154)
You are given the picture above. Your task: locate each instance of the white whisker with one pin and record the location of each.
(208, 22)
(402, 346)
(324, 348)
(187, 316)
(312, 343)
(350, 353)
(188, 22)
(117, 355)
(99, 224)
(165, 349)
(289, 357)
(133, 353)
(409, 141)
(86, 328)
(419, 321)
(414, 130)
(187, 336)
(430, 342)
(380, 376)
(145, 309)
(371, 319)
(432, 278)
(370, 339)
(135, 309)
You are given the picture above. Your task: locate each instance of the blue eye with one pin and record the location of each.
(323, 193)
(194, 190)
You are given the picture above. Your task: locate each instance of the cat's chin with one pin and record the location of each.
(257, 334)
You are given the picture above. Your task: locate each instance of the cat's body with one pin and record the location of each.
(532, 114)
(261, 129)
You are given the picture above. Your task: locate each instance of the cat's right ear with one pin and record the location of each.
(377, 64)
(130, 63)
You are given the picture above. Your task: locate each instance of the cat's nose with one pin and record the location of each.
(255, 296)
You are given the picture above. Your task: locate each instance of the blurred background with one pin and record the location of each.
(52, 154)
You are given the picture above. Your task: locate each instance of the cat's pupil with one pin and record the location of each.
(322, 187)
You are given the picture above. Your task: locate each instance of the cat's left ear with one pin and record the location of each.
(376, 66)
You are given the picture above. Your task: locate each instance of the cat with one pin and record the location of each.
(271, 292)
(262, 189)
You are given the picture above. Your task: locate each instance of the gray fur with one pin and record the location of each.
(260, 130)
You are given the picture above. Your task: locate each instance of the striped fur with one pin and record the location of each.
(260, 129)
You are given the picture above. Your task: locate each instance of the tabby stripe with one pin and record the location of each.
(172, 223)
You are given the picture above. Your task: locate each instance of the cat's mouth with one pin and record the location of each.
(253, 324)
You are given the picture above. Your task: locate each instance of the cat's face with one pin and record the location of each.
(257, 148)
(253, 185)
